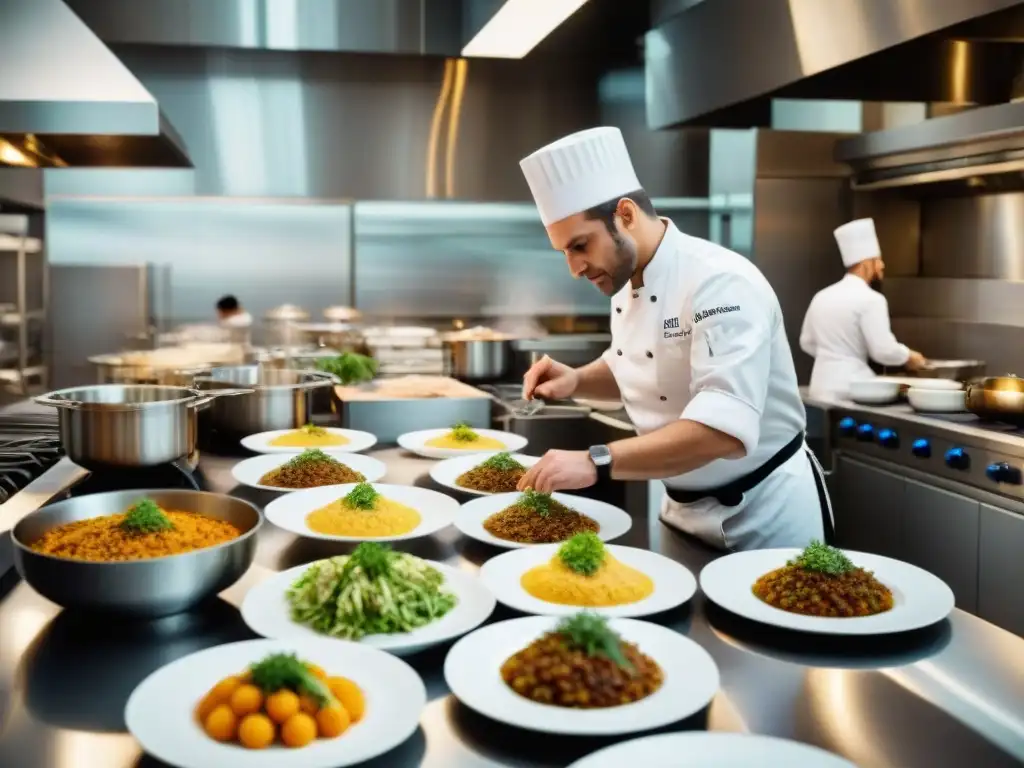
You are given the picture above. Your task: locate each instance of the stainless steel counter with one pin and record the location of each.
(951, 695)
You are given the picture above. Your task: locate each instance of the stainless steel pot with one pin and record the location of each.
(278, 398)
(998, 398)
(159, 586)
(477, 359)
(134, 425)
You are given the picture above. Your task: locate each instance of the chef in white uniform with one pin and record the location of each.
(699, 357)
(848, 322)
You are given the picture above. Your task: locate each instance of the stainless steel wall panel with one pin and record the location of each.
(998, 345)
(988, 302)
(898, 225)
(974, 237)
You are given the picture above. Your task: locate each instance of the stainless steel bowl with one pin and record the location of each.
(149, 588)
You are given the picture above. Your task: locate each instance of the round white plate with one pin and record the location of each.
(673, 582)
(289, 511)
(712, 750)
(357, 441)
(470, 518)
(249, 471)
(266, 611)
(448, 471)
(919, 598)
(472, 671)
(416, 442)
(160, 710)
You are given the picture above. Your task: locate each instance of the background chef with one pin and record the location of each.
(848, 322)
(699, 357)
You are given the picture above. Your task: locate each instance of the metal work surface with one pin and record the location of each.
(951, 695)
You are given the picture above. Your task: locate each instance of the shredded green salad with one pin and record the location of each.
(373, 591)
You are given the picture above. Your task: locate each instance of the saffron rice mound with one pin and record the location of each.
(614, 583)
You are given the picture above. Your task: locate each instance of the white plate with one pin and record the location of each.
(266, 611)
(160, 710)
(448, 471)
(473, 672)
(249, 471)
(470, 518)
(919, 598)
(416, 442)
(357, 441)
(289, 511)
(673, 582)
(712, 750)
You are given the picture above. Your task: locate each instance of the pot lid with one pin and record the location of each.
(341, 313)
(287, 312)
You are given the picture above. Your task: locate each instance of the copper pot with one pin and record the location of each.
(998, 398)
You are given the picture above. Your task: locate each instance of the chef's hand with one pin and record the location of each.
(560, 471)
(550, 380)
(916, 361)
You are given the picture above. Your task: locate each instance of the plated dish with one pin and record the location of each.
(143, 531)
(585, 573)
(825, 590)
(235, 704)
(310, 469)
(515, 520)
(581, 675)
(459, 440)
(378, 597)
(721, 750)
(362, 512)
(483, 474)
(329, 439)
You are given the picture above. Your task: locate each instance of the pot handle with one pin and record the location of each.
(213, 394)
(324, 380)
(68, 404)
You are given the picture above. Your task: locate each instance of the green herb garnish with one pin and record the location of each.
(284, 670)
(503, 462)
(146, 517)
(349, 367)
(584, 553)
(309, 456)
(589, 632)
(363, 496)
(464, 433)
(541, 503)
(375, 559)
(823, 559)
(313, 429)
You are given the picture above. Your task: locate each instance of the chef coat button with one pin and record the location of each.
(635, 294)
(650, 354)
(618, 352)
(654, 298)
(619, 310)
(663, 398)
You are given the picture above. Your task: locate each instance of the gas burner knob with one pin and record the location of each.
(1002, 472)
(887, 438)
(921, 448)
(865, 432)
(957, 458)
(847, 425)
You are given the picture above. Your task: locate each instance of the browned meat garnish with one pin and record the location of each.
(536, 518)
(812, 593)
(311, 469)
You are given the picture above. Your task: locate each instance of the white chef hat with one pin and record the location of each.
(578, 172)
(858, 241)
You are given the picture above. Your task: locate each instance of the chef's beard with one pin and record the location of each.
(876, 284)
(625, 262)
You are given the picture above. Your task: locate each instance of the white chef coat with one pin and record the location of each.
(703, 339)
(847, 323)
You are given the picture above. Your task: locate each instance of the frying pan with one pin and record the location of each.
(998, 398)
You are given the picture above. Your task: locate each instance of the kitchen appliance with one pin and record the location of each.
(998, 398)
(148, 588)
(137, 425)
(276, 398)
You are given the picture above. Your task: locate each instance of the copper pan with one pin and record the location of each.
(997, 398)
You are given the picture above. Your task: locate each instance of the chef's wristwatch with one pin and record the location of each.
(601, 455)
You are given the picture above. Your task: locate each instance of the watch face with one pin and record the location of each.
(600, 455)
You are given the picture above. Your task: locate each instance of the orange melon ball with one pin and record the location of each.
(246, 700)
(350, 695)
(298, 730)
(222, 691)
(256, 731)
(206, 705)
(308, 704)
(221, 724)
(281, 705)
(332, 721)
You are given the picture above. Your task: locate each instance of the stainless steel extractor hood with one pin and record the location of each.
(720, 62)
(979, 149)
(66, 100)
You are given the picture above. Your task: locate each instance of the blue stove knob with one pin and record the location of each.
(887, 438)
(921, 448)
(847, 425)
(1002, 472)
(865, 432)
(958, 458)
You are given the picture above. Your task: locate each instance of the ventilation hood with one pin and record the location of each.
(977, 150)
(66, 100)
(720, 62)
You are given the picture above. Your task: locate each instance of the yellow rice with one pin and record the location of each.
(387, 518)
(481, 443)
(299, 438)
(614, 583)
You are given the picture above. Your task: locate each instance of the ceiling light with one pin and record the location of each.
(518, 26)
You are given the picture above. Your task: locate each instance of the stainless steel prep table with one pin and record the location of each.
(952, 695)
